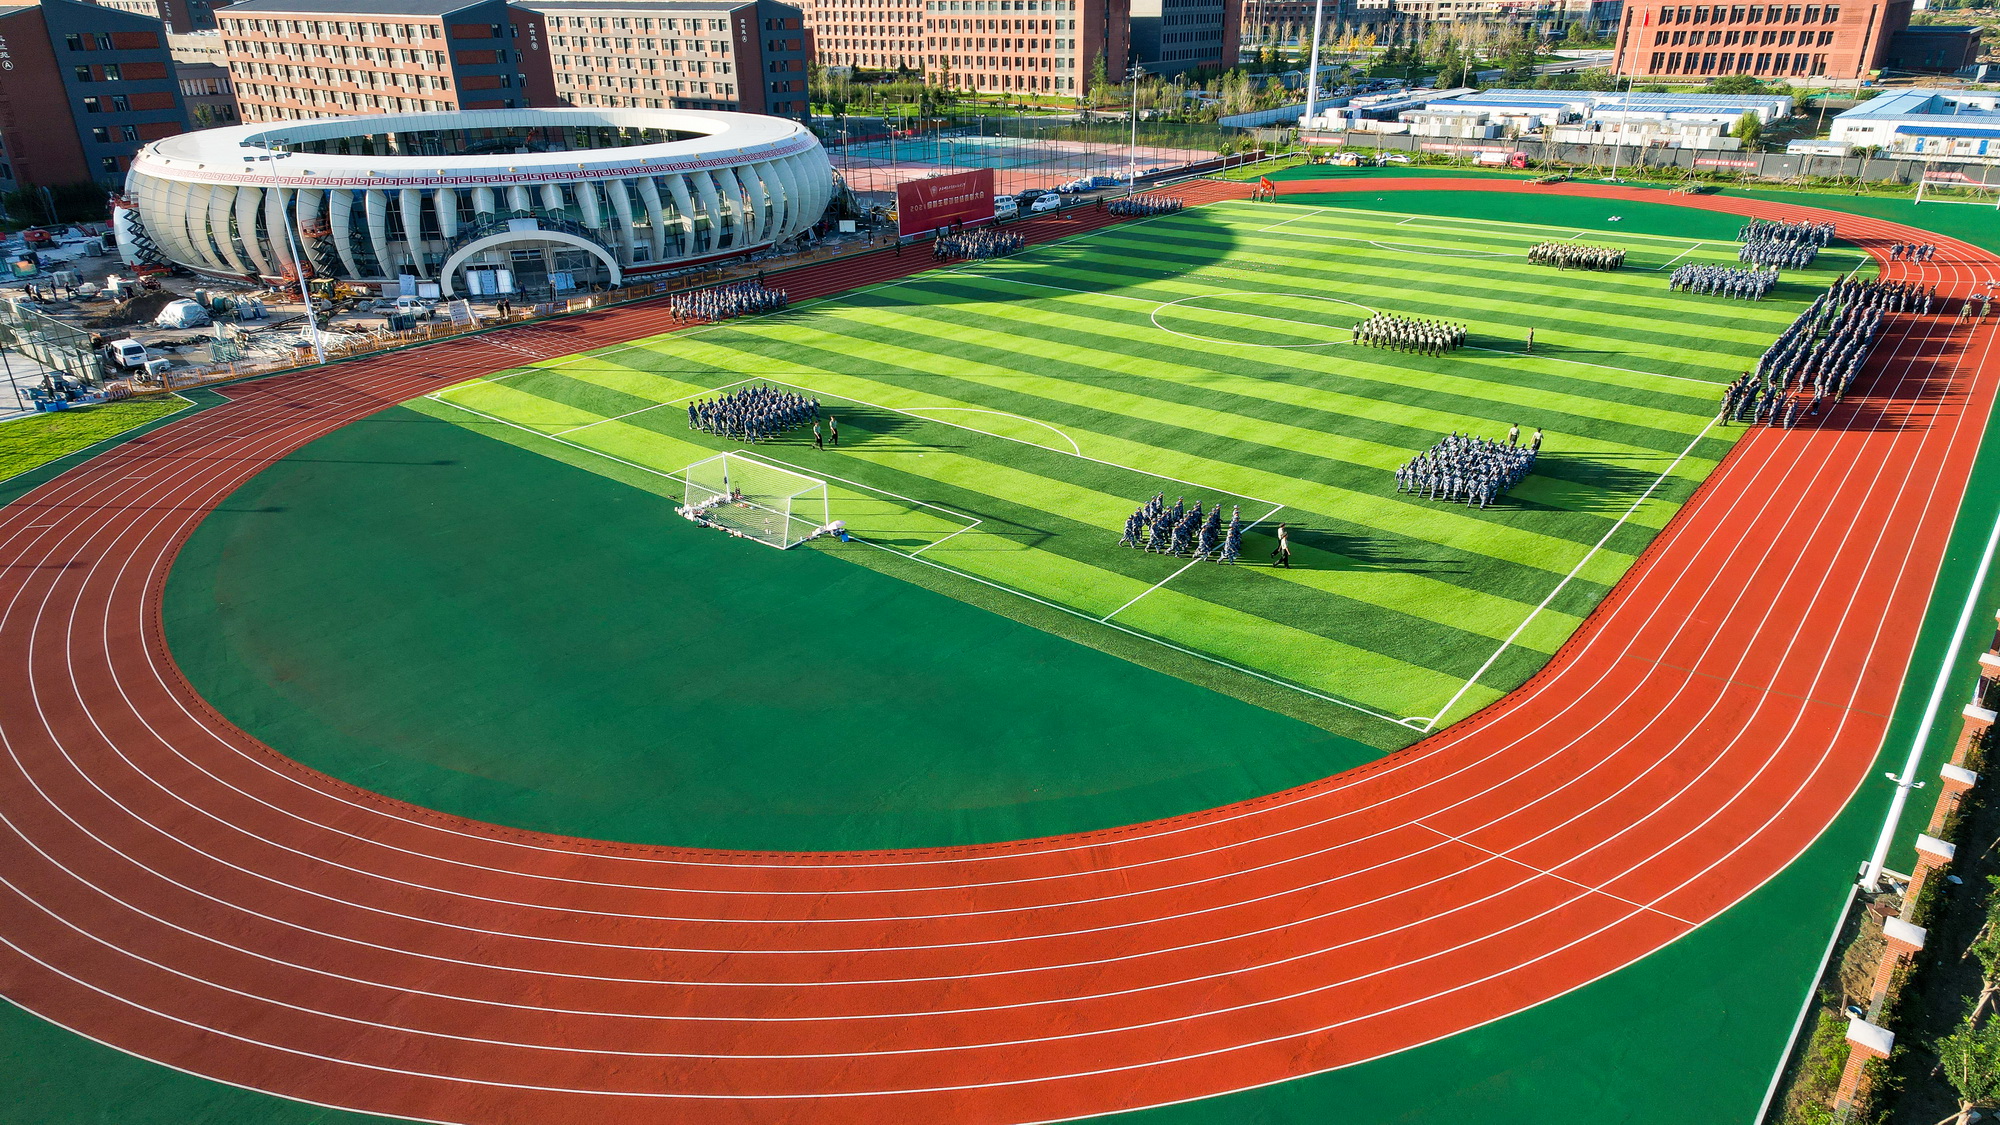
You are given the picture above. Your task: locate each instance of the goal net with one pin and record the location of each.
(1937, 186)
(755, 500)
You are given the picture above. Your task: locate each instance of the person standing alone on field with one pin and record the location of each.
(1535, 446)
(818, 441)
(1531, 341)
(1514, 434)
(1283, 553)
(833, 429)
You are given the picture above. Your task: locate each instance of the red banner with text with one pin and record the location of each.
(942, 201)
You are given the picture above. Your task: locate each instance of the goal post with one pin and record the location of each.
(1936, 186)
(755, 499)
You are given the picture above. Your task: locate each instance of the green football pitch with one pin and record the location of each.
(1000, 419)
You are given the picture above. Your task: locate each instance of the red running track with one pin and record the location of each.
(172, 887)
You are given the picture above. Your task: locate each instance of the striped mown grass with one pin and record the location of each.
(1000, 419)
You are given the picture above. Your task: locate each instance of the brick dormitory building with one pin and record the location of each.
(749, 56)
(1039, 46)
(293, 59)
(1841, 41)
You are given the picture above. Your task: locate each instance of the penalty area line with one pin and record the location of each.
(1183, 570)
(1573, 572)
(1130, 632)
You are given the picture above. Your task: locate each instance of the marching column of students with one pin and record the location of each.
(1469, 470)
(1185, 532)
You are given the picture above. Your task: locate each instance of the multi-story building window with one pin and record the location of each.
(604, 50)
(310, 58)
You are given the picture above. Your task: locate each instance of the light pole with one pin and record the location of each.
(298, 263)
(1132, 154)
(1312, 66)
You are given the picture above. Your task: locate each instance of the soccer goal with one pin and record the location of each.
(755, 500)
(1936, 186)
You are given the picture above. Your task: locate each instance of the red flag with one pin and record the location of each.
(1265, 183)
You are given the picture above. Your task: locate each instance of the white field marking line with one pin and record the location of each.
(824, 393)
(1597, 890)
(1154, 316)
(1679, 256)
(647, 343)
(1074, 447)
(1176, 574)
(1185, 651)
(1490, 226)
(567, 851)
(1543, 230)
(1256, 293)
(1395, 248)
(948, 538)
(673, 476)
(1599, 366)
(1573, 571)
(1293, 219)
(644, 409)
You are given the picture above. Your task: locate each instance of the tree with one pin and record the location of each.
(1748, 129)
(1970, 1060)
(1736, 84)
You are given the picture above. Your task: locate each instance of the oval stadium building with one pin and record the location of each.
(483, 201)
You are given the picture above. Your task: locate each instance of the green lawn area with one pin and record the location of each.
(1000, 419)
(28, 443)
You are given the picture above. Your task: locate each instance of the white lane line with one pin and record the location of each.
(1573, 571)
(1562, 878)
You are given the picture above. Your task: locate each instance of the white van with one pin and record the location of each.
(1005, 207)
(128, 354)
(1045, 203)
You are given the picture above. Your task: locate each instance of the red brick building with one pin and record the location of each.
(293, 59)
(748, 56)
(1027, 46)
(1839, 41)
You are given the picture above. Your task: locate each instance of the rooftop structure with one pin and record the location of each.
(1926, 125)
(553, 199)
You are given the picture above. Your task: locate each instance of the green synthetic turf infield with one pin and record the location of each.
(472, 627)
(1689, 1034)
(1000, 419)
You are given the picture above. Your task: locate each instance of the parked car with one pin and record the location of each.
(127, 354)
(1004, 207)
(1045, 203)
(1032, 194)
